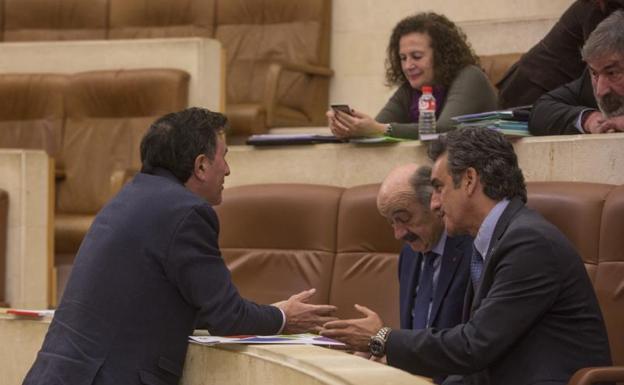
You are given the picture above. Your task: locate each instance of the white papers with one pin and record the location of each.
(30, 313)
(290, 339)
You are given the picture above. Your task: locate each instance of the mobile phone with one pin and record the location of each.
(343, 108)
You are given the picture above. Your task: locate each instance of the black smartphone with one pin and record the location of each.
(343, 108)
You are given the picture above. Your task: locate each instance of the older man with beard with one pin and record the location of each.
(594, 103)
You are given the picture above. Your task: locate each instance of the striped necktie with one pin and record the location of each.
(424, 296)
(476, 268)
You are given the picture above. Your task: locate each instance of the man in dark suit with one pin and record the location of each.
(594, 103)
(532, 316)
(556, 59)
(149, 270)
(433, 267)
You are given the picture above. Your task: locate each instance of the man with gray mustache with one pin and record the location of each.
(594, 103)
(433, 267)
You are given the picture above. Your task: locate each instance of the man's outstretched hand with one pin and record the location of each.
(302, 317)
(356, 333)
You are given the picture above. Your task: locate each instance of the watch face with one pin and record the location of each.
(377, 346)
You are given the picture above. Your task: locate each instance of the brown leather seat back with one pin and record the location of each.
(255, 33)
(366, 269)
(609, 281)
(28, 20)
(496, 66)
(107, 115)
(31, 111)
(279, 239)
(161, 18)
(576, 209)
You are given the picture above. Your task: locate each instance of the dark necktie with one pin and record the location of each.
(424, 294)
(476, 267)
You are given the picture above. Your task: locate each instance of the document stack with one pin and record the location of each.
(512, 122)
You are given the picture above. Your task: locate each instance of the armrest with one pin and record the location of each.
(272, 80)
(118, 178)
(587, 376)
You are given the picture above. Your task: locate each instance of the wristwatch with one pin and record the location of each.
(388, 131)
(377, 343)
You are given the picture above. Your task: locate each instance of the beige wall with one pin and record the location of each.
(361, 29)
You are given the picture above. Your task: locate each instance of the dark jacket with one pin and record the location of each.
(556, 59)
(557, 112)
(534, 319)
(148, 272)
(448, 301)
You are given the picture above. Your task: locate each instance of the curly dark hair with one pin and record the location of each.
(489, 153)
(451, 50)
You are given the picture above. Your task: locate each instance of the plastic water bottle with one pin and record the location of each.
(426, 112)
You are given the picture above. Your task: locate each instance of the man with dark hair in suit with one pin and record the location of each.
(594, 103)
(149, 270)
(531, 315)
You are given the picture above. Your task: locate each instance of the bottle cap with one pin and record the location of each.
(427, 89)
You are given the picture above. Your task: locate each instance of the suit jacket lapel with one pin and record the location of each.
(449, 263)
(492, 258)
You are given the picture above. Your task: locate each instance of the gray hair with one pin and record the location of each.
(420, 182)
(607, 38)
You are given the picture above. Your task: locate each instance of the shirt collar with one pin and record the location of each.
(486, 231)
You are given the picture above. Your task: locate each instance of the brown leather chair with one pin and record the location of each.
(589, 214)
(576, 209)
(277, 62)
(609, 286)
(277, 52)
(496, 66)
(26, 20)
(107, 114)
(4, 228)
(279, 239)
(367, 256)
(31, 111)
